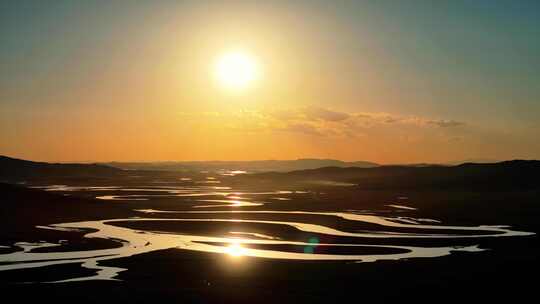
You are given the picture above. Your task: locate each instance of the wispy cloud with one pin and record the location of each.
(446, 123)
(322, 114)
(318, 121)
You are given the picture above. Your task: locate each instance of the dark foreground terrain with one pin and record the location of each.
(505, 271)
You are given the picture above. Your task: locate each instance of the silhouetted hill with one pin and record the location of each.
(12, 169)
(250, 166)
(473, 160)
(516, 174)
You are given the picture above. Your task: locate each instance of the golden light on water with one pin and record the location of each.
(235, 250)
(237, 70)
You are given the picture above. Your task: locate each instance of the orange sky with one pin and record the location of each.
(102, 82)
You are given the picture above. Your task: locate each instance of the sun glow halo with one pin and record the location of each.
(236, 70)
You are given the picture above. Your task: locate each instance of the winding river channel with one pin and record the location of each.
(244, 243)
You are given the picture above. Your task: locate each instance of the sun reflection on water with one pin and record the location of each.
(235, 250)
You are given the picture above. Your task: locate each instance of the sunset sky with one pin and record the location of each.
(384, 81)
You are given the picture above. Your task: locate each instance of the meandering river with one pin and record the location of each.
(242, 244)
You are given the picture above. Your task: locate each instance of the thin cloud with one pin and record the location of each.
(325, 114)
(319, 121)
(446, 123)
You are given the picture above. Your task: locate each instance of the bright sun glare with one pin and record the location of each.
(235, 250)
(236, 70)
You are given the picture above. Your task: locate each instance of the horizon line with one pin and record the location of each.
(467, 160)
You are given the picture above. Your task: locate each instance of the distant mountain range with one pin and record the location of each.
(474, 160)
(12, 169)
(249, 166)
(515, 174)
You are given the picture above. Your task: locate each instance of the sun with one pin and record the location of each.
(237, 70)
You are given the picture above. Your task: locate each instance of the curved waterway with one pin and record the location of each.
(231, 198)
(239, 241)
(135, 241)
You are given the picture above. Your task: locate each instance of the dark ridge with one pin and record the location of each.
(514, 174)
(13, 170)
(251, 166)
